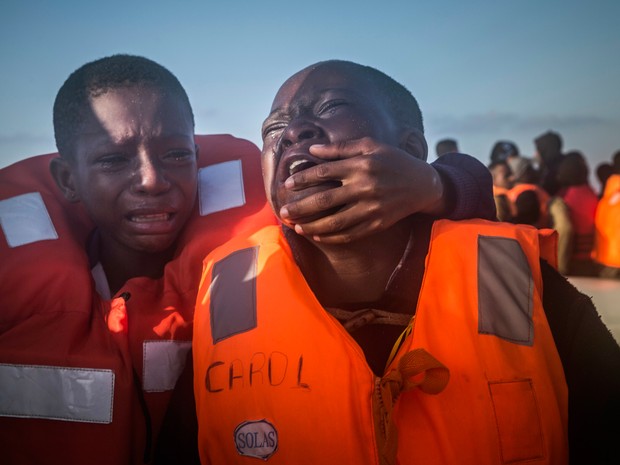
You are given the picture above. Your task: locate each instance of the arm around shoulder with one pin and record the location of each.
(468, 187)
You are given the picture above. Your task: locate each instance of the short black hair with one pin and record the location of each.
(527, 205)
(603, 171)
(549, 147)
(98, 77)
(446, 146)
(401, 102)
(616, 162)
(504, 149)
(573, 170)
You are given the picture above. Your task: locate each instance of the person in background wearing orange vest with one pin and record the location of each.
(531, 204)
(428, 342)
(523, 180)
(607, 226)
(501, 152)
(99, 278)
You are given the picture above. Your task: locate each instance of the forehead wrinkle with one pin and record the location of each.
(302, 97)
(145, 125)
(293, 107)
(299, 103)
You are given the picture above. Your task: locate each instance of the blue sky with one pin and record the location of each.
(481, 70)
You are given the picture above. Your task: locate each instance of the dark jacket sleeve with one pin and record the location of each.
(469, 187)
(591, 361)
(177, 443)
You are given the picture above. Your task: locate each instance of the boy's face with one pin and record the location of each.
(319, 105)
(134, 168)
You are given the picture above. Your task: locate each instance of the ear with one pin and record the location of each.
(62, 172)
(414, 142)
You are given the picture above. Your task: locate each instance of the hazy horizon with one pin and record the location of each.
(481, 71)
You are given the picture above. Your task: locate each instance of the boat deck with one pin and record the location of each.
(605, 294)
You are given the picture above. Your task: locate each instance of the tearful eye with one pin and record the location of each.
(273, 130)
(112, 161)
(179, 156)
(330, 106)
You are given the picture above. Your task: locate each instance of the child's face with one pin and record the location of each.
(322, 105)
(135, 168)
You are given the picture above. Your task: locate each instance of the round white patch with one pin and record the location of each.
(257, 439)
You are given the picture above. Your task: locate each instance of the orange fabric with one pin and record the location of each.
(302, 372)
(269, 373)
(446, 324)
(52, 315)
(499, 190)
(117, 318)
(543, 200)
(607, 225)
(549, 246)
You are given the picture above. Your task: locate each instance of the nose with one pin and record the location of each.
(150, 176)
(299, 130)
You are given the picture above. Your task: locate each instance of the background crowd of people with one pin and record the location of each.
(552, 190)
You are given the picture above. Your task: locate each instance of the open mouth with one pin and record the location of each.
(300, 165)
(150, 218)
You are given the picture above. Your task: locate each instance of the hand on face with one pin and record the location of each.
(342, 188)
(375, 186)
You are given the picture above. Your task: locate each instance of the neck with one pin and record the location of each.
(345, 275)
(120, 265)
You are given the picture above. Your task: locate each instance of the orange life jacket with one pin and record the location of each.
(277, 377)
(85, 380)
(497, 190)
(607, 225)
(543, 200)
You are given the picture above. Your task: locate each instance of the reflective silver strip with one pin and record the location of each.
(505, 290)
(233, 294)
(220, 187)
(164, 362)
(24, 219)
(56, 393)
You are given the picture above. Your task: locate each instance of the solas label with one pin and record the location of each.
(257, 439)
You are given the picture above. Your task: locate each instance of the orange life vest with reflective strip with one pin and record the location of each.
(278, 378)
(607, 225)
(74, 368)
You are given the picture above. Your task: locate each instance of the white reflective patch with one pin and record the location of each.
(56, 393)
(220, 187)
(24, 219)
(163, 363)
(258, 439)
